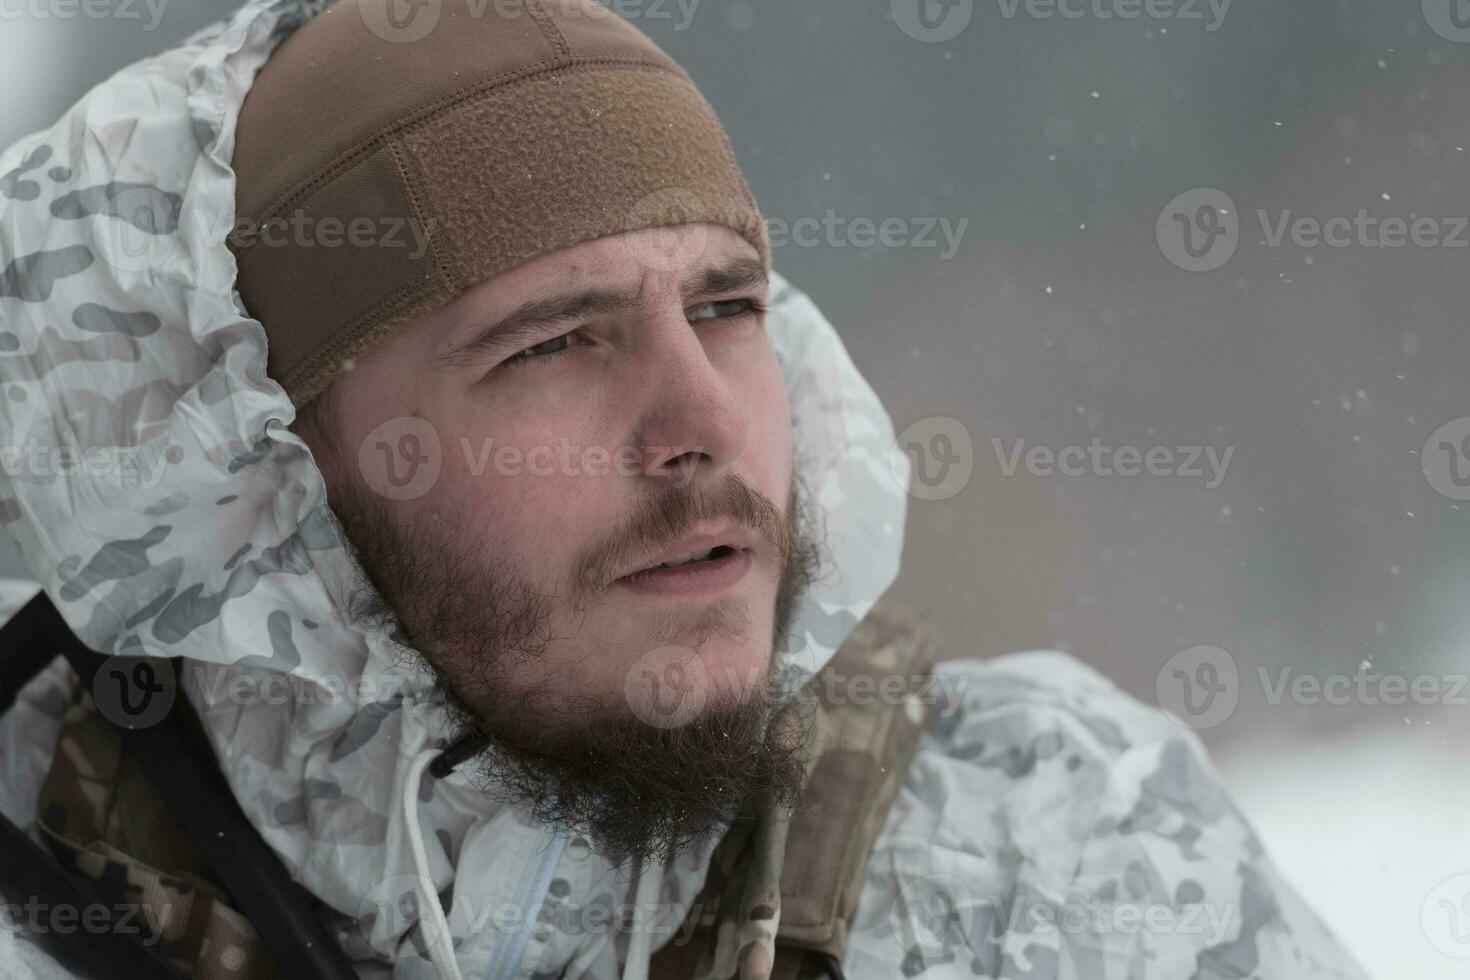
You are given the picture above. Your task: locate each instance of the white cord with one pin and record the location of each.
(431, 914)
(640, 944)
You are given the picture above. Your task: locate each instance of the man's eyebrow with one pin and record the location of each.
(736, 276)
(533, 320)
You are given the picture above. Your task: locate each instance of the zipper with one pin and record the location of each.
(534, 881)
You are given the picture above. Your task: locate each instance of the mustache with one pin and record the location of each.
(660, 521)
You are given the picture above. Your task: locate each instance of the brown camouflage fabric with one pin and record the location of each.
(104, 821)
(781, 890)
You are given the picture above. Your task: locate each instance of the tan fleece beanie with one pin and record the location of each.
(383, 167)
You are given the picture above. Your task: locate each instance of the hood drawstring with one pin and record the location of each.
(431, 914)
(640, 943)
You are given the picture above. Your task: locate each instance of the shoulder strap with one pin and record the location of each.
(104, 821)
(776, 902)
(781, 890)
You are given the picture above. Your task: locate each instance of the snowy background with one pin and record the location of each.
(1051, 147)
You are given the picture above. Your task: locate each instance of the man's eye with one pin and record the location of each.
(719, 310)
(555, 345)
(725, 308)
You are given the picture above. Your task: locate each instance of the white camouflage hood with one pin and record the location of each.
(164, 506)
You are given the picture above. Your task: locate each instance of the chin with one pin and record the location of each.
(736, 670)
(675, 684)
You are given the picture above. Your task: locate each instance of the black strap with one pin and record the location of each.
(23, 651)
(829, 965)
(32, 881)
(184, 770)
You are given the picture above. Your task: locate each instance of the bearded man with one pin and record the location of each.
(502, 506)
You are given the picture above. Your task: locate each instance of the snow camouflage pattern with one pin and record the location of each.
(164, 507)
(1053, 827)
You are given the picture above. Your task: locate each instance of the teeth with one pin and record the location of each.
(697, 556)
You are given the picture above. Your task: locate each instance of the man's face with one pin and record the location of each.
(590, 414)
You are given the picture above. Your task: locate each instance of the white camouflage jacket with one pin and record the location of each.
(1050, 827)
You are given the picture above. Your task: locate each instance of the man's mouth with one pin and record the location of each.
(718, 551)
(704, 562)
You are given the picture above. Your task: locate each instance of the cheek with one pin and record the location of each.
(768, 454)
(534, 495)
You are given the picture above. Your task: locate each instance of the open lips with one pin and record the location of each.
(722, 548)
(718, 551)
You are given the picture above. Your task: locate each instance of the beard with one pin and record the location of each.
(589, 763)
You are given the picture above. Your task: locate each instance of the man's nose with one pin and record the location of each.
(695, 425)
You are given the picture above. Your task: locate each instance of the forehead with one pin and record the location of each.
(658, 265)
(652, 259)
